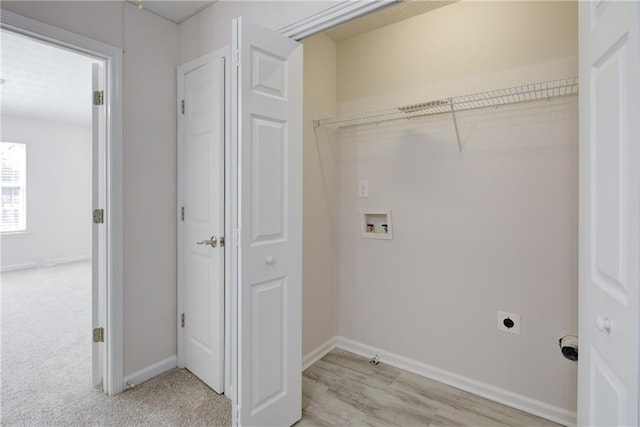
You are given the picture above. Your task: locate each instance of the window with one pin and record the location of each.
(14, 178)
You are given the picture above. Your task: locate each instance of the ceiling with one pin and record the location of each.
(174, 11)
(52, 83)
(387, 16)
(44, 81)
(180, 10)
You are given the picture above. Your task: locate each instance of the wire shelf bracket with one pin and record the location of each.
(538, 91)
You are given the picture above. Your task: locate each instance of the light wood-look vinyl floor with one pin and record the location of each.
(343, 389)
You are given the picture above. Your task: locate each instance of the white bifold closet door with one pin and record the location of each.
(267, 101)
(609, 213)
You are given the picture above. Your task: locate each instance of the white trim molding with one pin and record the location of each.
(333, 16)
(112, 57)
(150, 371)
(318, 353)
(514, 400)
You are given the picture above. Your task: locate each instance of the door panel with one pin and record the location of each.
(609, 212)
(609, 394)
(269, 148)
(269, 334)
(203, 272)
(609, 171)
(268, 85)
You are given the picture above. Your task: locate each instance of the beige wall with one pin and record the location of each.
(320, 204)
(493, 228)
(211, 28)
(149, 80)
(458, 49)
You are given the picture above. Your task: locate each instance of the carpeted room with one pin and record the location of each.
(46, 362)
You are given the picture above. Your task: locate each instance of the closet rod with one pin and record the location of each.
(493, 98)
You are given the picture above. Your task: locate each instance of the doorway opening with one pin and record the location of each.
(108, 114)
(386, 132)
(53, 249)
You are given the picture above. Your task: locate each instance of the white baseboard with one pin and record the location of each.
(514, 400)
(52, 262)
(151, 371)
(318, 353)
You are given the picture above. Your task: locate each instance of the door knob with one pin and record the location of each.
(213, 241)
(270, 260)
(603, 324)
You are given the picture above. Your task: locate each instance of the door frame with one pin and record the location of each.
(112, 57)
(182, 71)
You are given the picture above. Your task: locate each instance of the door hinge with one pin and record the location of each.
(236, 57)
(182, 320)
(98, 335)
(182, 106)
(98, 216)
(238, 414)
(182, 213)
(237, 237)
(98, 97)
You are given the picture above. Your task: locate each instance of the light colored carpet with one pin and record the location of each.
(46, 362)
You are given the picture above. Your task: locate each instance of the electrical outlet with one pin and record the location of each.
(509, 322)
(363, 189)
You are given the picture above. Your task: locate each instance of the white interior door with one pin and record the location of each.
(203, 227)
(609, 213)
(267, 96)
(98, 231)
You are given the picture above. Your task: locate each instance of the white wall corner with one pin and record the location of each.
(150, 371)
(318, 353)
(514, 400)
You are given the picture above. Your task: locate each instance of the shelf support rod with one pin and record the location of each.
(455, 125)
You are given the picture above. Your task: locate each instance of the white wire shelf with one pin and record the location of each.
(494, 98)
